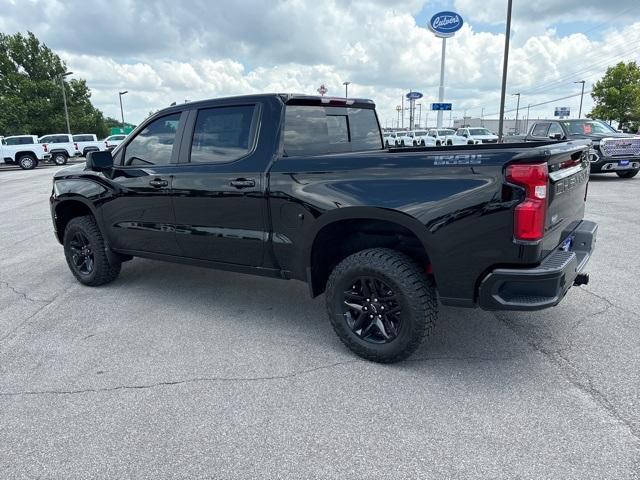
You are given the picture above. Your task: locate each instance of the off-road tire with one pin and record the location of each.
(27, 162)
(628, 173)
(103, 271)
(415, 292)
(59, 158)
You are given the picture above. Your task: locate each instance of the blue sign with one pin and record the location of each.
(562, 112)
(414, 95)
(445, 24)
(441, 106)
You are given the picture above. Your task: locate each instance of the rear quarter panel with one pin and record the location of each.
(453, 202)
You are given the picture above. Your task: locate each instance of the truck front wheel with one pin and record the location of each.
(628, 173)
(60, 159)
(381, 304)
(27, 162)
(85, 252)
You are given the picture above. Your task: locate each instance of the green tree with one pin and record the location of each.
(31, 91)
(617, 94)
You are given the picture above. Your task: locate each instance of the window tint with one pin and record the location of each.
(154, 144)
(83, 138)
(18, 141)
(312, 130)
(555, 129)
(45, 140)
(540, 130)
(222, 134)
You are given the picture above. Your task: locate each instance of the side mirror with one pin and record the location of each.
(465, 135)
(556, 136)
(99, 161)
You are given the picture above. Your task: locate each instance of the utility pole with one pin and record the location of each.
(581, 96)
(526, 125)
(346, 89)
(398, 109)
(64, 99)
(419, 114)
(121, 110)
(507, 38)
(402, 103)
(517, 111)
(482, 117)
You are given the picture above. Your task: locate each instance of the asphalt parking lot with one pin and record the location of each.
(181, 372)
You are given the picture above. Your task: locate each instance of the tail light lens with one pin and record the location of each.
(529, 216)
(45, 147)
(76, 146)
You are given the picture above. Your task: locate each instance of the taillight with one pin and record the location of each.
(45, 147)
(75, 145)
(106, 144)
(529, 216)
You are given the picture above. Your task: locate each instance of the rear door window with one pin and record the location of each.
(223, 134)
(314, 130)
(82, 138)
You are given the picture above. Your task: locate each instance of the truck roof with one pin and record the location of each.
(287, 98)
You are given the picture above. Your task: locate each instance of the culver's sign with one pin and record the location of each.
(445, 24)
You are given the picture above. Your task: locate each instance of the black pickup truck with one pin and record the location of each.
(611, 152)
(300, 187)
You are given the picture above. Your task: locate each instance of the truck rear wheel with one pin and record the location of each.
(381, 304)
(628, 173)
(27, 162)
(84, 250)
(60, 158)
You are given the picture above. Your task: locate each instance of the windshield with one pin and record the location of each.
(445, 132)
(479, 131)
(588, 127)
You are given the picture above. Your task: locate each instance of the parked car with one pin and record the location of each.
(446, 136)
(422, 138)
(612, 151)
(61, 146)
(24, 151)
(301, 187)
(405, 139)
(476, 135)
(389, 139)
(88, 142)
(113, 141)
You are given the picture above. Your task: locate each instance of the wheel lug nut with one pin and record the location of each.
(368, 299)
(365, 309)
(382, 307)
(379, 316)
(375, 299)
(370, 316)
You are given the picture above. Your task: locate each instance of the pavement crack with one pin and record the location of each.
(22, 294)
(287, 376)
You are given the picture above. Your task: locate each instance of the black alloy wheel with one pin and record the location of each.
(81, 253)
(381, 304)
(84, 249)
(372, 311)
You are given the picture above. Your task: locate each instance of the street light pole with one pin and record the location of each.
(419, 115)
(121, 110)
(64, 99)
(526, 125)
(507, 38)
(346, 89)
(581, 96)
(517, 112)
(398, 109)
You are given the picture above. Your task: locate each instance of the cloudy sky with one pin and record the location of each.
(166, 50)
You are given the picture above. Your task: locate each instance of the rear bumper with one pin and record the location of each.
(545, 285)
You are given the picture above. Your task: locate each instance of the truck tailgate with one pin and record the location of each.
(568, 182)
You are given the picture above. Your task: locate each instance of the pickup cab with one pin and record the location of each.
(61, 146)
(611, 151)
(301, 187)
(24, 151)
(88, 142)
(113, 141)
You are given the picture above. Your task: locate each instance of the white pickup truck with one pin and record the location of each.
(61, 146)
(24, 151)
(88, 142)
(114, 140)
(476, 135)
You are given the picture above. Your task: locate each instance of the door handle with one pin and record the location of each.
(158, 183)
(242, 183)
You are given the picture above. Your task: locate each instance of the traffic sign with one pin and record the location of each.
(441, 106)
